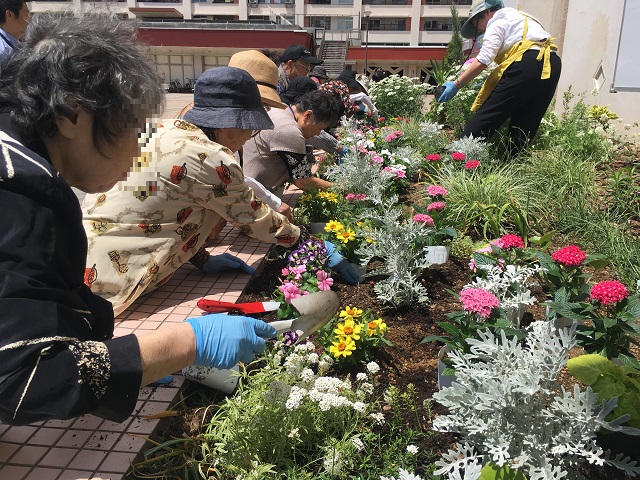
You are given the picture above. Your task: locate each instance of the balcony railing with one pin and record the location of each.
(447, 2)
(386, 2)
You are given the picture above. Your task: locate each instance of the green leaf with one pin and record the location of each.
(610, 322)
(608, 387)
(597, 261)
(491, 471)
(588, 368)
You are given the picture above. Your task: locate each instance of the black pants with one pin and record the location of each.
(519, 95)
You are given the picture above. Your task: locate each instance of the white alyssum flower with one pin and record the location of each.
(378, 418)
(332, 462)
(359, 407)
(373, 367)
(296, 396)
(294, 433)
(357, 443)
(307, 375)
(361, 377)
(412, 449)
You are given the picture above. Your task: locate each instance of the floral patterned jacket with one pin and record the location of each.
(57, 355)
(146, 227)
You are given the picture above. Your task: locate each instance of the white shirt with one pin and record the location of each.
(504, 30)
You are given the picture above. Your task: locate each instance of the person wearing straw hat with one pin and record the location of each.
(522, 86)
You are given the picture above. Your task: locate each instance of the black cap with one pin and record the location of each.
(298, 52)
(349, 78)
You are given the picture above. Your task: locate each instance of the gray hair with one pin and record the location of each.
(94, 62)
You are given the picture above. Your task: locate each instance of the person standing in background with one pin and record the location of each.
(522, 86)
(13, 23)
(296, 61)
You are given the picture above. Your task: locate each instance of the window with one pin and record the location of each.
(320, 22)
(448, 2)
(439, 24)
(389, 24)
(345, 23)
(626, 77)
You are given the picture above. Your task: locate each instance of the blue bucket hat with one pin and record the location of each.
(228, 97)
(477, 7)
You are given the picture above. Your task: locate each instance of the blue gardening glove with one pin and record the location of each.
(223, 340)
(340, 264)
(224, 262)
(450, 91)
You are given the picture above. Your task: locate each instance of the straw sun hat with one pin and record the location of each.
(263, 71)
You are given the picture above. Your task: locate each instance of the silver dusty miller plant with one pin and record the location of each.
(358, 174)
(399, 244)
(475, 148)
(505, 404)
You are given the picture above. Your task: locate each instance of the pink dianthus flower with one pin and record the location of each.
(510, 241)
(472, 164)
(570, 255)
(377, 159)
(350, 197)
(435, 190)
(458, 156)
(608, 292)
(478, 300)
(436, 206)
(433, 157)
(422, 218)
(360, 196)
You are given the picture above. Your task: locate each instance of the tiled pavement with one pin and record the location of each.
(91, 448)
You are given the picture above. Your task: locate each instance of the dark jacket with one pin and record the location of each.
(57, 355)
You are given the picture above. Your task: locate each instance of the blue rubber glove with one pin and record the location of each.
(222, 340)
(450, 91)
(224, 262)
(340, 264)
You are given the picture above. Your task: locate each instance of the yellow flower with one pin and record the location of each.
(348, 328)
(350, 311)
(333, 226)
(376, 326)
(346, 236)
(343, 347)
(359, 223)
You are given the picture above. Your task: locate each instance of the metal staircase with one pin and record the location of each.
(334, 55)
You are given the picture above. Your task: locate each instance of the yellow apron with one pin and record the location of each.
(514, 54)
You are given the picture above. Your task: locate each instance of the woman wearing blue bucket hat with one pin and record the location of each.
(522, 86)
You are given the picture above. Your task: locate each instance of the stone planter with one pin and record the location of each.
(221, 380)
(444, 381)
(437, 255)
(317, 227)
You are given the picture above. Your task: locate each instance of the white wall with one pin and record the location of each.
(591, 41)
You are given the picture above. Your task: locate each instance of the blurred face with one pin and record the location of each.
(82, 164)
(480, 21)
(232, 138)
(297, 68)
(306, 121)
(16, 25)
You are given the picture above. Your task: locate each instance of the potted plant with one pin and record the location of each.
(513, 416)
(480, 311)
(607, 321)
(436, 244)
(317, 207)
(609, 381)
(349, 235)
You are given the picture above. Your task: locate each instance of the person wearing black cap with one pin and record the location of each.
(319, 74)
(296, 61)
(146, 227)
(297, 87)
(522, 85)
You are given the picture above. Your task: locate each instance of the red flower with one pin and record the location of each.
(608, 292)
(510, 241)
(433, 157)
(570, 256)
(458, 156)
(471, 164)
